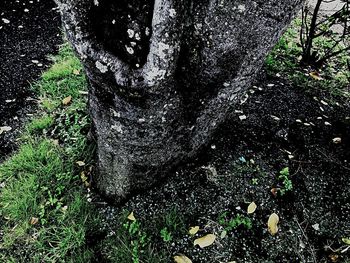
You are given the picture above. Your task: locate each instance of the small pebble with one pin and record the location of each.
(324, 103)
(275, 118)
(243, 117)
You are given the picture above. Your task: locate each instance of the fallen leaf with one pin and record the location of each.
(251, 208)
(243, 117)
(80, 163)
(272, 224)
(337, 140)
(5, 129)
(334, 257)
(131, 217)
(274, 191)
(223, 234)
(84, 179)
(182, 259)
(76, 72)
(205, 241)
(193, 230)
(315, 75)
(275, 118)
(34, 221)
(316, 227)
(346, 240)
(67, 100)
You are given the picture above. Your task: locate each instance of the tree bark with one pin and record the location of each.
(164, 74)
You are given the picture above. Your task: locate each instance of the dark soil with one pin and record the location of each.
(285, 127)
(29, 32)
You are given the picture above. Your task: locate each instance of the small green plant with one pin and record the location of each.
(287, 183)
(166, 235)
(255, 181)
(139, 239)
(230, 224)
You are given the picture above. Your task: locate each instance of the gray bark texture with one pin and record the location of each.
(164, 74)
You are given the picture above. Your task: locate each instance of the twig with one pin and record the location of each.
(307, 240)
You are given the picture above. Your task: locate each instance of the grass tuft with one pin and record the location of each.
(44, 212)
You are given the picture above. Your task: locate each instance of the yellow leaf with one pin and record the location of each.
(272, 224)
(193, 230)
(67, 100)
(315, 75)
(346, 240)
(251, 208)
(205, 241)
(131, 217)
(83, 177)
(80, 163)
(34, 220)
(76, 72)
(182, 259)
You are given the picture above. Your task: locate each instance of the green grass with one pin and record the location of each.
(65, 78)
(40, 124)
(44, 212)
(45, 215)
(284, 59)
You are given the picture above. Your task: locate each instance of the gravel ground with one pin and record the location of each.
(29, 32)
(278, 126)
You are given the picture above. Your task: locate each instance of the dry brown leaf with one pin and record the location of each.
(334, 257)
(251, 208)
(131, 217)
(274, 191)
(193, 230)
(272, 224)
(182, 259)
(205, 241)
(67, 100)
(34, 220)
(80, 163)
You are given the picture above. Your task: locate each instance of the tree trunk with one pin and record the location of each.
(164, 74)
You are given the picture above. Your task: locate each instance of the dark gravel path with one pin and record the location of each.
(29, 31)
